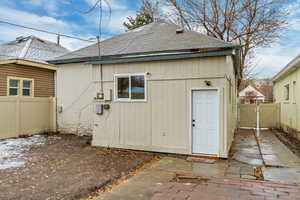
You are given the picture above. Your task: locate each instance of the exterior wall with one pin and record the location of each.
(26, 116)
(163, 122)
(43, 78)
(290, 110)
(75, 93)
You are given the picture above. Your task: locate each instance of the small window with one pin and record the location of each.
(26, 88)
(287, 92)
(294, 91)
(20, 87)
(130, 87)
(123, 87)
(138, 87)
(14, 87)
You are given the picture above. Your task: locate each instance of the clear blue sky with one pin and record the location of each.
(64, 16)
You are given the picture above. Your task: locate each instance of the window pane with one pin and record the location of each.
(286, 92)
(123, 87)
(137, 87)
(13, 83)
(26, 92)
(26, 84)
(13, 91)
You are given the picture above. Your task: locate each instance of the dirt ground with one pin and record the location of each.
(63, 167)
(292, 143)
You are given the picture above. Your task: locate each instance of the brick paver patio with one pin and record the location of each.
(190, 187)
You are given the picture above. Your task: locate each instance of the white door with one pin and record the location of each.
(205, 122)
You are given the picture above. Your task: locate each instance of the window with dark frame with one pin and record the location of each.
(287, 92)
(130, 87)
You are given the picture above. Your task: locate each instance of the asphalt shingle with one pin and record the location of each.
(152, 38)
(32, 49)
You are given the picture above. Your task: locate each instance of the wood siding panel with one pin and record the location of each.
(43, 78)
(289, 110)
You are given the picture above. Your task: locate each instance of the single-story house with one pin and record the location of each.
(24, 70)
(156, 88)
(251, 95)
(286, 92)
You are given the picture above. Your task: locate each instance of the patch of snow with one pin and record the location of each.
(11, 155)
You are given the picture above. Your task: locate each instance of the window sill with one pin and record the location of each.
(130, 101)
(20, 96)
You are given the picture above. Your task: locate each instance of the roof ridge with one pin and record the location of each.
(25, 48)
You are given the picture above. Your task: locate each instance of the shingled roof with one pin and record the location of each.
(31, 48)
(155, 38)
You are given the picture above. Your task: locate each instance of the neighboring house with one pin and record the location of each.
(286, 92)
(165, 89)
(24, 70)
(27, 86)
(251, 95)
(264, 86)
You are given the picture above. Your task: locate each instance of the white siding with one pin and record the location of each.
(75, 93)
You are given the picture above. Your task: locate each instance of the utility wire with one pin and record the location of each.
(44, 31)
(87, 11)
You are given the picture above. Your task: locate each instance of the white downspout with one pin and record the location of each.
(257, 121)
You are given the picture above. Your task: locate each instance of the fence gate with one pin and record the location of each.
(267, 114)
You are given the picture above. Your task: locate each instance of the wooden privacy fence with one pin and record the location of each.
(268, 115)
(26, 116)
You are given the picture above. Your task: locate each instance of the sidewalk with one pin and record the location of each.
(244, 156)
(282, 165)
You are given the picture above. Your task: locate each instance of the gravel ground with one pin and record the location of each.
(60, 167)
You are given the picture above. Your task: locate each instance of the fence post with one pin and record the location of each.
(238, 117)
(18, 117)
(257, 120)
(53, 114)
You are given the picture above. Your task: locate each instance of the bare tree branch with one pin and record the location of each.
(250, 23)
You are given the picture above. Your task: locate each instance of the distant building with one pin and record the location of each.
(24, 70)
(251, 95)
(263, 86)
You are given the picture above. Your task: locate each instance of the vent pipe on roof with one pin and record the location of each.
(179, 30)
(58, 39)
(20, 38)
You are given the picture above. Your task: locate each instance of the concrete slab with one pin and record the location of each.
(245, 149)
(201, 160)
(283, 175)
(275, 153)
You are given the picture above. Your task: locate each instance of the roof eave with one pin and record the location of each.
(290, 67)
(161, 57)
(137, 57)
(28, 63)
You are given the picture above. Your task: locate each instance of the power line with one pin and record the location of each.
(49, 32)
(87, 11)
